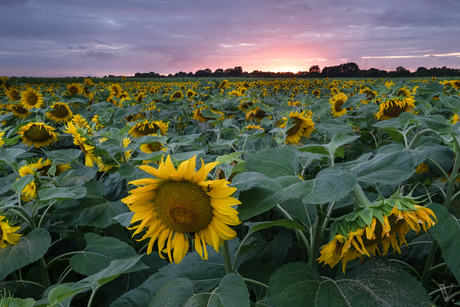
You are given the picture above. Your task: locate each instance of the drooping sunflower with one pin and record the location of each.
(256, 114)
(31, 98)
(394, 106)
(7, 233)
(81, 138)
(43, 167)
(38, 134)
(336, 103)
(30, 190)
(177, 95)
(60, 113)
(75, 89)
(116, 90)
(13, 94)
(354, 237)
(303, 126)
(199, 117)
(147, 128)
(181, 204)
(19, 112)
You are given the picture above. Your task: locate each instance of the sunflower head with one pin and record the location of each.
(60, 112)
(38, 134)
(13, 94)
(178, 204)
(374, 229)
(148, 128)
(177, 95)
(7, 233)
(303, 126)
(336, 102)
(75, 89)
(31, 98)
(394, 106)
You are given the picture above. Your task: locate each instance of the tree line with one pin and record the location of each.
(347, 70)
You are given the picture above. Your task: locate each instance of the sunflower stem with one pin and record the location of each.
(416, 138)
(226, 254)
(255, 282)
(45, 275)
(360, 197)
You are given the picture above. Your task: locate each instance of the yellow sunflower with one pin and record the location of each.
(177, 95)
(116, 90)
(7, 233)
(31, 98)
(75, 89)
(152, 147)
(30, 190)
(249, 127)
(80, 139)
(256, 114)
(393, 107)
(1, 140)
(147, 128)
(199, 117)
(356, 238)
(180, 204)
(13, 94)
(303, 126)
(19, 111)
(38, 134)
(43, 167)
(60, 113)
(336, 103)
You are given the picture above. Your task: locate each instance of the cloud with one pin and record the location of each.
(12, 3)
(99, 54)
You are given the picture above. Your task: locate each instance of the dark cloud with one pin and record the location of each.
(99, 54)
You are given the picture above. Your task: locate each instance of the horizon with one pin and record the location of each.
(56, 39)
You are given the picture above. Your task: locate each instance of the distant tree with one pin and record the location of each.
(348, 69)
(314, 69)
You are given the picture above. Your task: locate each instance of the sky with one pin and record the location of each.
(45, 38)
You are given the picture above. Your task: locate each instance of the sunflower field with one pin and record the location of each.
(213, 192)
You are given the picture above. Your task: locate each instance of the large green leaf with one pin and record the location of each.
(274, 162)
(245, 181)
(21, 183)
(256, 201)
(99, 253)
(62, 193)
(377, 283)
(447, 232)
(180, 292)
(389, 166)
(16, 302)
(29, 249)
(330, 184)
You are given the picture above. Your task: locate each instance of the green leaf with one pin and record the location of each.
(256, 201)
(405, 118)
(245, 181)
(29, 249)
(256, 270)
(99, 253)
(386, 167)
(340, 139)
(377, 283)
(447, 232)
(16, 302)
(66, 292)
(21, 183)
(274, 162)
(63, 156)
(62, 193)
(289, 224)
(330, 184)
(177, 292)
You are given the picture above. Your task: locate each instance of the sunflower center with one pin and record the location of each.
(338, 105)
(20, 109)
(32, 99)
(37, 133)
(15, 95)
(393, 110)
(293, 130)
(154, 146)
(60, 111)
(183, 206)
(73, 90)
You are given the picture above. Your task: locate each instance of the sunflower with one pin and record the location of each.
(249, 127)
(356, 238)
(190, 94)
(75, 89)
(455, 118)
(147, 128)
(316, 92)
(152, 147)
(13, 94)
(19, 111)
(336, 103)
(60, 113)
(393, 107)
(116, 90)
(80, 138)
(38, 134)
(43, 167)
(199, 117)
(180, 205)
(30, 190)
(7, 233)
(1, 140)
(256, 114)
(81, 123)
(177, 95)
(303, 126)
(31, 98)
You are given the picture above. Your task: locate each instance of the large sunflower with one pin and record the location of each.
(303, 126)
(60, 113)
(180, 205)
(393, 107)
(148, 128)
(31, 98)
(356, 237)
(38, 134)
(336, 103)
(7, 233)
